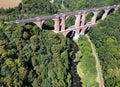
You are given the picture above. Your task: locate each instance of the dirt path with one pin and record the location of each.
(99, 72)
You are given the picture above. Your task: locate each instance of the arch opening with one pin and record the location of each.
(111, 11)
(70, 34)
(30, 28)
(31, 23)
(87, 30)
(89, 17)
(70, 21)
(48, 25)
(100, 14)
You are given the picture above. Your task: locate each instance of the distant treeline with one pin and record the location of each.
(33, 8)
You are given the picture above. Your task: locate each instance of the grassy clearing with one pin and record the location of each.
(86, 67)
(9, 3)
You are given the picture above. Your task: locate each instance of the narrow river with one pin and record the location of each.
(73, 70)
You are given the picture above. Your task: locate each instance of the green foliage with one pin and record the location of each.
(106, 37)
(70, 21)
(85, 4)
(29, 8)
(78, 56)
(86, 64)
(29, 57)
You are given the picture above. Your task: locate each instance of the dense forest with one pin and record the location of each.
(30, 57)
(86, 67)
(106, 37)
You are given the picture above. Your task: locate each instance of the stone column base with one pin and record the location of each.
(55, 31)
(76, 37)
(81, 33)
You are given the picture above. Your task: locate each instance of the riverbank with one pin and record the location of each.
(86, 66)
(73, 66)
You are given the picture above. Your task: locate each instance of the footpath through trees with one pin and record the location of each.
(99, 72)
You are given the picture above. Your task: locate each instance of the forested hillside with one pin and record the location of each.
(31, 57)
(87, 4)
(106, 37)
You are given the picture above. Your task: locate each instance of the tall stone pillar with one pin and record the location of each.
(93, 20)
(83, 31)
(56, 25)
(77, 23)
(83, 24)
(105, 14)
(39, 23)
(83, 19)
(63, 18)
(64, 33)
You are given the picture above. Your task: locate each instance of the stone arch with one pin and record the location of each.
(106, 12)
(70, 34)
(89, 17)
(83, 18)
(39, 23)
(30, 25)
(70, 21)
(62, 21)
(94, 18)
(87, 30)
(111, 10)
(100, 14)
(48, 24)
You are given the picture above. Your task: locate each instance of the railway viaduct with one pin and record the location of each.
(80, 24)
